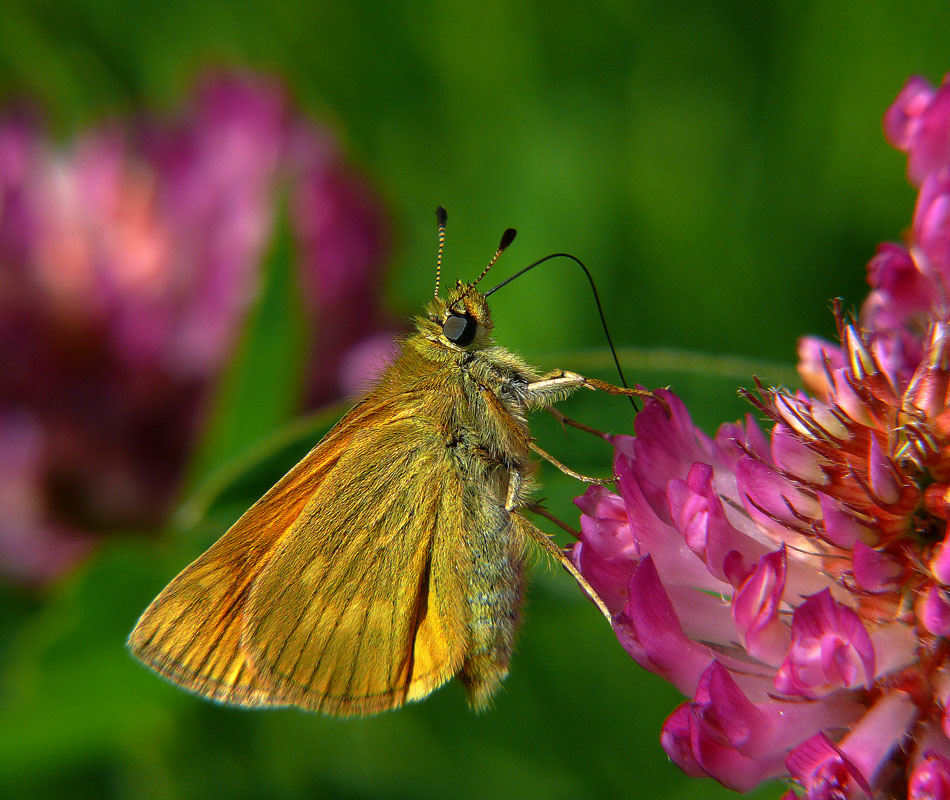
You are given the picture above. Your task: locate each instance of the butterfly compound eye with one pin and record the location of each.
(459, 329)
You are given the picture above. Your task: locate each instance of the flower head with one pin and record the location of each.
(796, 585)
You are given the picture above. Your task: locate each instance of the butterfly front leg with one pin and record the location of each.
(553, 387)
(560, 383)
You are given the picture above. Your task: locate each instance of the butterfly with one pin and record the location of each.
(392, 557)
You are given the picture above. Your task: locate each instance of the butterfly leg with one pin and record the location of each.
(559, 384)
(553, 386)
(515, 484)
(609, 388)
(567, 470)
(566, 420)
(547, 390)
(548, 545)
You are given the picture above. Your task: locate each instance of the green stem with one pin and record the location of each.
(739, 368)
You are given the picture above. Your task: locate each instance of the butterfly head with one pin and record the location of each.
(461, 321)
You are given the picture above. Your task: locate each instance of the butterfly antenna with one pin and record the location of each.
(506, 239)
(440, 216)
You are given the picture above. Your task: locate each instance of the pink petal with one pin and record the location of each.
(840, 527)
(698, 515)
(930, 148)
(601, 503)
(900, 289)
(884, 482)
(816, 358)
(898, 352)
(749, 435)
(874, 571)
(608, 576)
(650, 632)
(824, 771)
(791, 455)
(675, 740)
(607, 551)
(930, 779)
(664, 448)
(931, 227)
(874, 738)
(726, 764)
(940, 563)
(933, 609)
(606, 526)
(902, 118)
(655, 536)
(830, 649)
(770, 727)
(772, 500)
(755, 609)
(740, 743)
(848, 401)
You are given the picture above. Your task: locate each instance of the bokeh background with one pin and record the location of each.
(214, 214)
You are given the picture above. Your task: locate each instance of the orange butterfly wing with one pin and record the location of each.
(337, 591)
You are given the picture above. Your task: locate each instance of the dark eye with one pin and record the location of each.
(459, 329)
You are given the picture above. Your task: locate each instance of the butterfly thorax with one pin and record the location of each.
(474, 390)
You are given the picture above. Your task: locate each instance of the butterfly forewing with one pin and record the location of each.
(191, 632)
(331, 592)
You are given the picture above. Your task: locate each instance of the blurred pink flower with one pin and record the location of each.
(919, 124)
(342, 232)
(128, 261)
(796, 585)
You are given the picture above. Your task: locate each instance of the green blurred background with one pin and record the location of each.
(720, 167)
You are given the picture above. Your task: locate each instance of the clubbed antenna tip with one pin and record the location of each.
(440, 216)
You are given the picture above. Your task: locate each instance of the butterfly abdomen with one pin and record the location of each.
(491, 454)
(495, 582)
